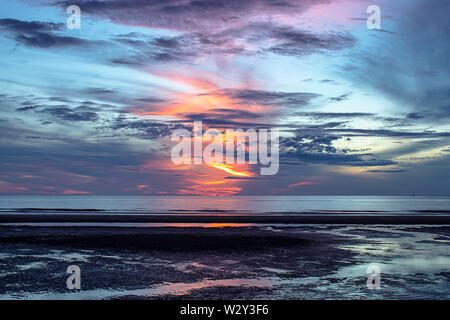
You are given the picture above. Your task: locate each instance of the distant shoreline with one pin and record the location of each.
(296, 219)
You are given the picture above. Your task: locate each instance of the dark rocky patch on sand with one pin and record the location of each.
(158, 239)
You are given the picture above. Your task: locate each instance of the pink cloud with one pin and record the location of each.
(301, 183)
(69, 191)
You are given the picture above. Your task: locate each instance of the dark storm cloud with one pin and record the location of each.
(59, 99)
(270, 98)
(311, 144)
(27, 108)
(236, 113)
(144, 48)
(28, 27)
(183, 49)
(340, 98)
(320, 149)
(330, 115)
(414, 116)
(208, 28)
(67, 111)
(391, 133)
(142, 129)
(38, 34)
(44, 40)
(100, 91)
(38, 104)
(388, 171)
(191, 16)
(150, 100)
(197, 44)
(69, 114)
(294, 42)
(252, 40)
(222, 114)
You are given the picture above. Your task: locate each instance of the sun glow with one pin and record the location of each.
(229, 169)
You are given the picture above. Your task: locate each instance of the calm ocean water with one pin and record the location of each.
(236, 204)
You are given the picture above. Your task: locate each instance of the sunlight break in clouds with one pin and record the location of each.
(362, 111)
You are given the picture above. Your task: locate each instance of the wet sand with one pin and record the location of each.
(256, 262)
(149, 263)
(158, 239)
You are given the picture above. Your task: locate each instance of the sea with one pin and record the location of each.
(230, 204)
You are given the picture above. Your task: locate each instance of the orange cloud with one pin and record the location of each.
(69, 191)
(203, 94)
(200, 92)
(301, 183)
(195, 179)
(229, 169)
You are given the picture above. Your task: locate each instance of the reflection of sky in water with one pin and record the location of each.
(403, 252)
(130, 224)
(424, 264)
(163, 289)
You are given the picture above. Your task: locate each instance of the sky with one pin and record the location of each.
(91, 111)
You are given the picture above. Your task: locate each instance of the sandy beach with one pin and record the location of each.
(253, 262)
(224, 248)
